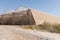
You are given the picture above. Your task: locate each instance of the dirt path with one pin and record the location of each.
(16, 33)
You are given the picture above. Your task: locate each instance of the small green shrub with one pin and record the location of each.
(56, 28)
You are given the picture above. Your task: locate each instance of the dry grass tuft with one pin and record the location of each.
(55, 28)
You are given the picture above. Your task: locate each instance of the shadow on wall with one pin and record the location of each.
(18, 18)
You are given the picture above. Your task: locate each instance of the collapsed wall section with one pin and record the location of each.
(18, 18)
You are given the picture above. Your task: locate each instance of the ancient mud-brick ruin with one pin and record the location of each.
(18, 18)
(25, 16)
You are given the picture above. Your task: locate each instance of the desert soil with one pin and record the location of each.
(11, 32)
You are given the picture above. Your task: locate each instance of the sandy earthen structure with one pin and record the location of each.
(26, 16)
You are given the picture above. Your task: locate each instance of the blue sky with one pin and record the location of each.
(49, 6)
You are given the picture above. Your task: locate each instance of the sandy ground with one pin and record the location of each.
(16, 33)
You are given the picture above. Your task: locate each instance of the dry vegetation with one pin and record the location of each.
(55, 28)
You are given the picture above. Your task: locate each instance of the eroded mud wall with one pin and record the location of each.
(18, 18)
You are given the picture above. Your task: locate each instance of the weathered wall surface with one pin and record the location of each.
(28, 17)
(18, 18)
(5, 19)
(40, 17)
